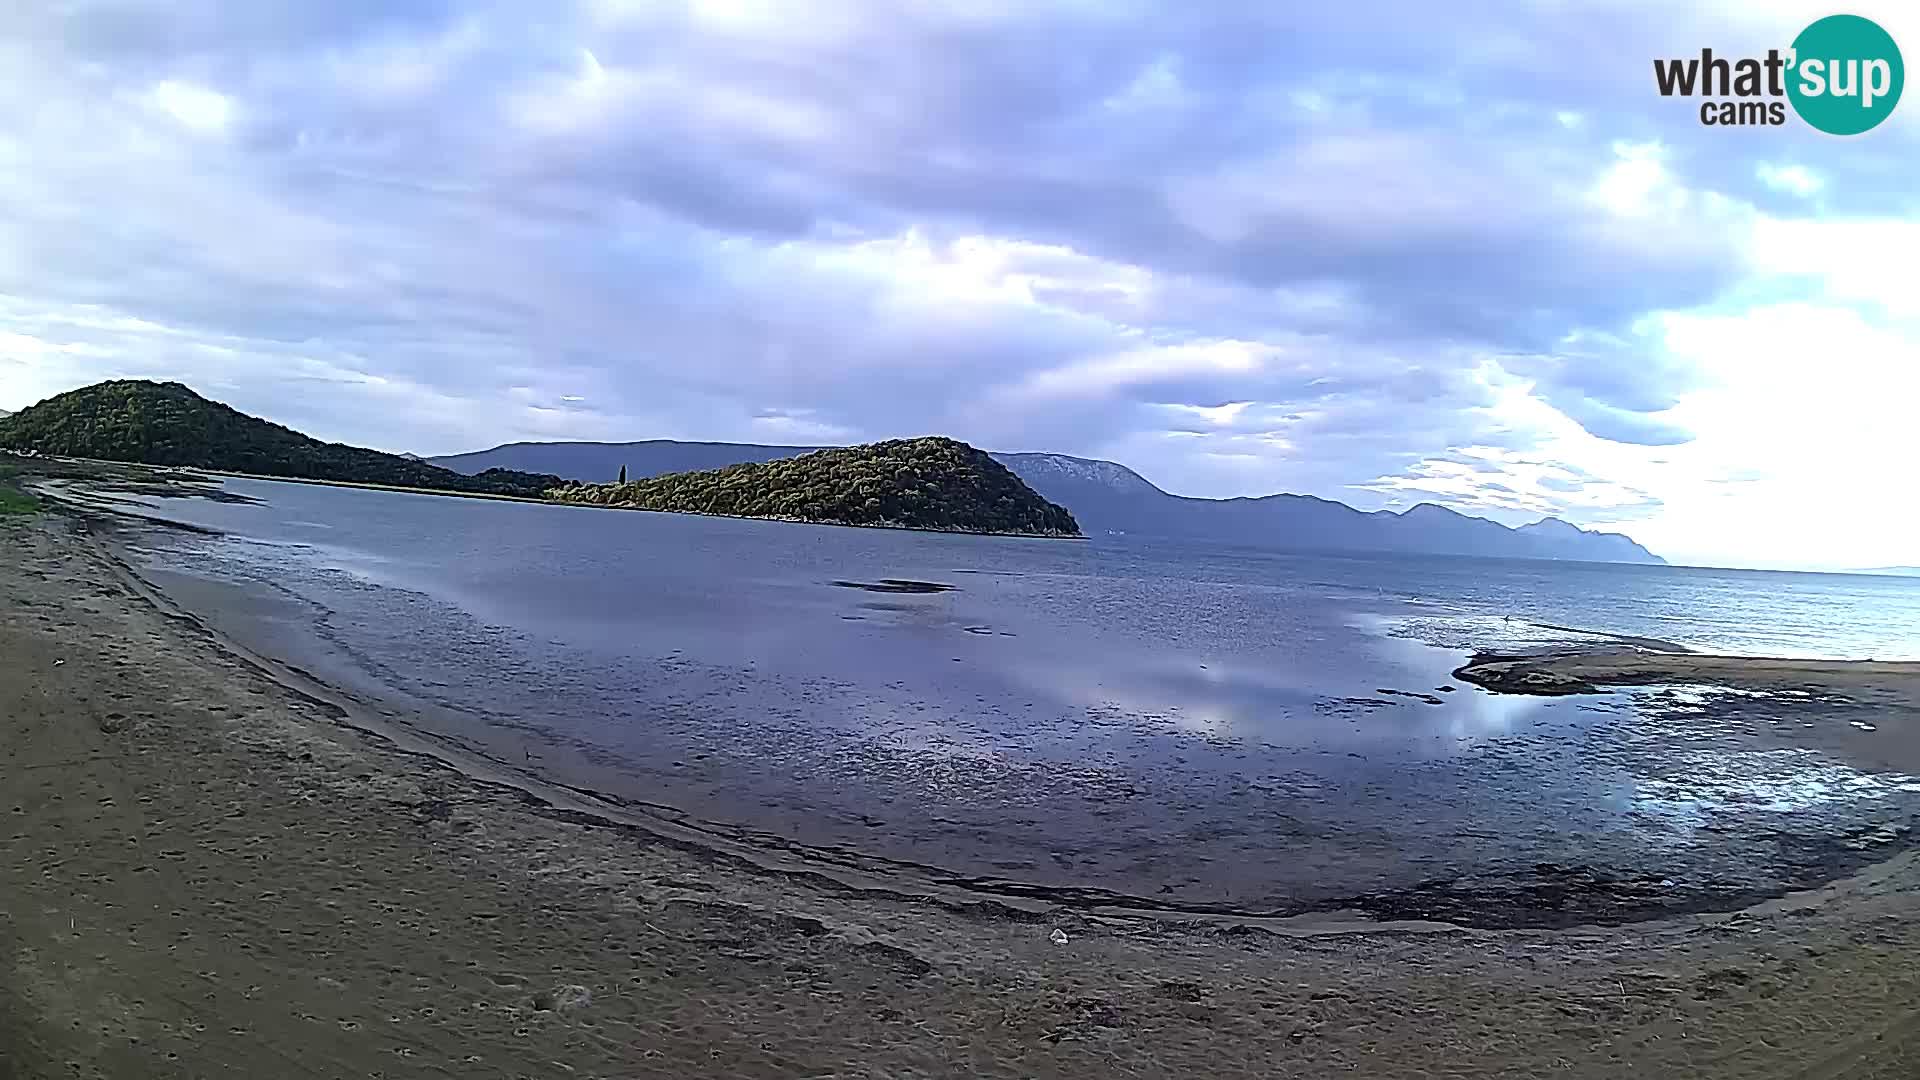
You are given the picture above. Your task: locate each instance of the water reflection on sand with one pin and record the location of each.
(1182, 727)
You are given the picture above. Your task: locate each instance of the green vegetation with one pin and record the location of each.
(167, 424)
(930, 483)
(12, 499)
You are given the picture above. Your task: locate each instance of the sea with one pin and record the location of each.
(1112, 721)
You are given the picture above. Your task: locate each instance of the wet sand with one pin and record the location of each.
(1877, 698)
(206, 872)
(1633, 667)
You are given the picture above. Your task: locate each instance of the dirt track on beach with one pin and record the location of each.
(204, 873)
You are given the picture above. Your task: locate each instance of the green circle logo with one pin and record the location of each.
(1846, 75)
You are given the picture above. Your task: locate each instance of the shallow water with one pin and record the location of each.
(1179, 726)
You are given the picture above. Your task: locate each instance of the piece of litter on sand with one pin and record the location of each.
(1058, 937)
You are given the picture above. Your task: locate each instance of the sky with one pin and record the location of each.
(1384, 252)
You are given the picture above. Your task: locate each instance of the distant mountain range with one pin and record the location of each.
(1109, 498)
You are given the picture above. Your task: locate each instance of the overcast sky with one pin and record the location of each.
(1379, 252)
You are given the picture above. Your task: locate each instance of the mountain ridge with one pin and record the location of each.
(1108, 497)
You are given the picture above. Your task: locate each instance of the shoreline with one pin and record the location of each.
(208, 871)
(160, 472)
(1608, 896)
(764, 852)
(660, 822)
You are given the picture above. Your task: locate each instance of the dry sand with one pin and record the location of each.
(205, 873)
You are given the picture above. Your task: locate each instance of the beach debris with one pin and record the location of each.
(1058, 937)
(563, 998)
(57, 663)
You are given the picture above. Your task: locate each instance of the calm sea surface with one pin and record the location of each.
(1176, 724)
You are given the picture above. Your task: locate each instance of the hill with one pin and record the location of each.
(929, 483)
(1106, 497)
(155, 423)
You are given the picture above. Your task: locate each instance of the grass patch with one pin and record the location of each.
(12, 499)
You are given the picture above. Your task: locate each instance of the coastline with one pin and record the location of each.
(258, 876)
(1567, 892)
(160, 471)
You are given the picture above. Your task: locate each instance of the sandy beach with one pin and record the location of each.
(211, 872)
(1564, 671)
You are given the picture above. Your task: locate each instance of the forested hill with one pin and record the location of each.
(165, 423)
(928, 483)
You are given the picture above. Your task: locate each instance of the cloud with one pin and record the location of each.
(195, 107)
(1792, 179)
(1244, 248)
(1621, 425)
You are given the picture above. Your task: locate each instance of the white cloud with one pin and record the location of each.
(197, 108)
(1212, 415)
(1638, 182)
(1101, 375)
(1157, 87)
(1855, 260)
(1792, 179)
